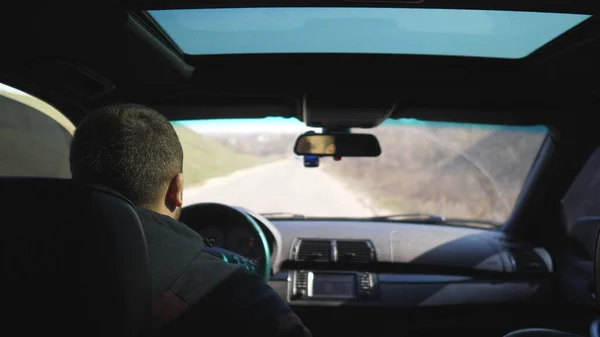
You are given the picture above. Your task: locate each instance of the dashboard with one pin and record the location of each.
(389, 242)
(238, 239)
(230, 231)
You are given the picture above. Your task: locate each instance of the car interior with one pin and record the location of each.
(405, 275)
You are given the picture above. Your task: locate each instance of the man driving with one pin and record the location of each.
(134, 150)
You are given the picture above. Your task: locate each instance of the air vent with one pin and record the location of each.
(314, 250)
(355, 251)
(528, 261)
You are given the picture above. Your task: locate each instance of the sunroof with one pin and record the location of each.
(498, 34)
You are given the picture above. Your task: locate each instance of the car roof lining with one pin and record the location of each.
(146, 69)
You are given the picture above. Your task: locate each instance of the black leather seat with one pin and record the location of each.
(74, 261)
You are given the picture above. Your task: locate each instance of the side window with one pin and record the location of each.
(34, 137)
(583, 197)
(583, 200)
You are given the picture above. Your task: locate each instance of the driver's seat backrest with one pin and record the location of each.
(73, 260)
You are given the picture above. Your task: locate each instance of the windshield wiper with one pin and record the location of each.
(432, 219)
(422, 218)
(474, 223)
(408, 217)
(283, 215)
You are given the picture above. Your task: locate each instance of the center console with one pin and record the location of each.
(333, 286)
(322, 287)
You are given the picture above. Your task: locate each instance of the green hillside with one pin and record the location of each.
(205, 158)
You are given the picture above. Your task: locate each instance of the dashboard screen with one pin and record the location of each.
(333, 285)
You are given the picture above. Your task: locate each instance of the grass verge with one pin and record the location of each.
(205, 158)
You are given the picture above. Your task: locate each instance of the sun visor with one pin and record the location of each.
(351, 110)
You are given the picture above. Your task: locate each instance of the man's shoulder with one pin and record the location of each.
(202, 276)
(210, 279)
(249, 292)
(147, 214)
(214, 282)
(249, 300)
(156, 222)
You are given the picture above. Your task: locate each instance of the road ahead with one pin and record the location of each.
(283, 186)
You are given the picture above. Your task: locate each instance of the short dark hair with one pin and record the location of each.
(130, 148)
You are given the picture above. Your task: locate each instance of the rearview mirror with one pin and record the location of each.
(338, 145)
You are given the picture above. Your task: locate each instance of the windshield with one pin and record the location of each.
(453, 170)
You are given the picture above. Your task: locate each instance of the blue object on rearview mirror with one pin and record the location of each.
(311, 161)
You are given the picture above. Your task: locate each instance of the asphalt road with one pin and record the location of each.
(283, 186)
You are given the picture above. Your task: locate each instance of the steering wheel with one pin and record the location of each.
(215, 213)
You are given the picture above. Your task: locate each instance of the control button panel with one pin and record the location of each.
(365, 284)
(301, 284)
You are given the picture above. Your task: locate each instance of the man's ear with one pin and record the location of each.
(330, 149)
(175, 193)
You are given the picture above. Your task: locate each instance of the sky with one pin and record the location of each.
(482, 33)
(262, 125)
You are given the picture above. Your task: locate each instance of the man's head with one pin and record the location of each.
(134, 150)
(317, 144)
(326, 145)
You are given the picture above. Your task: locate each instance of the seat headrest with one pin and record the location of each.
(74, 260)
